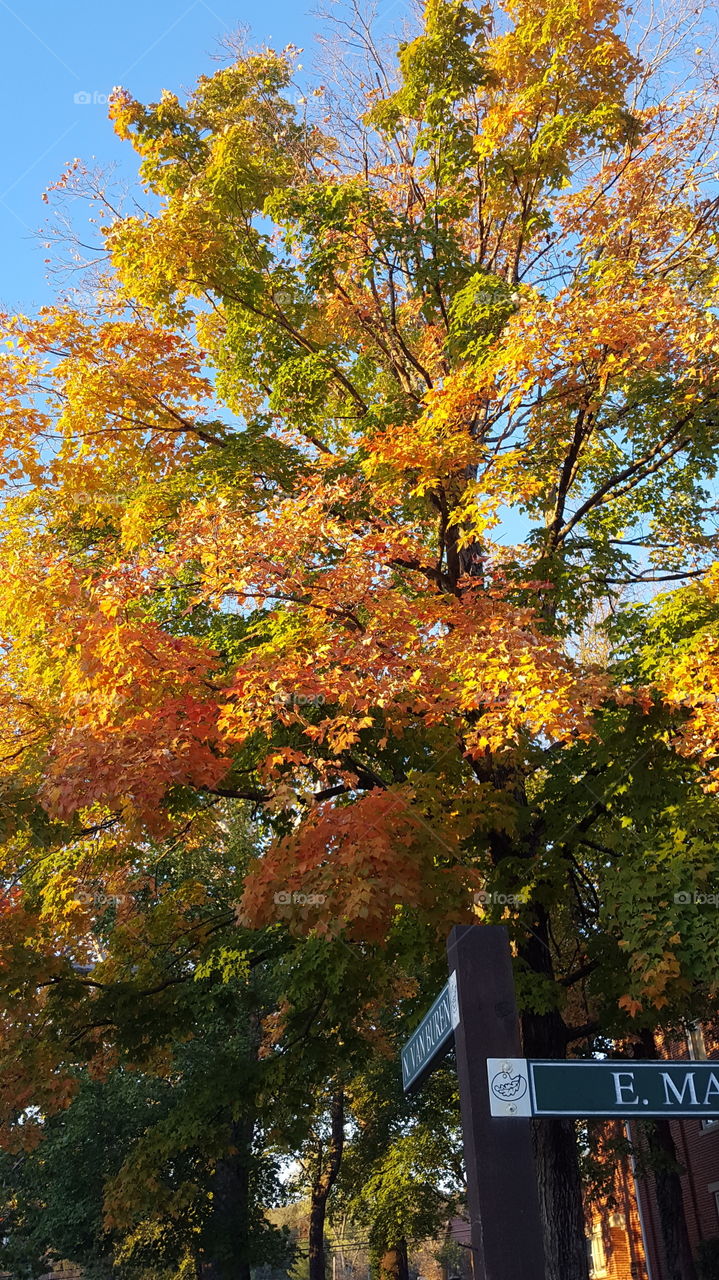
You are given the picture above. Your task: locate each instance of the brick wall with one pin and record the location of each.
(613, 1223)
(697, 1147)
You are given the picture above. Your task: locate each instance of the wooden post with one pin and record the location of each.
(502, 1193)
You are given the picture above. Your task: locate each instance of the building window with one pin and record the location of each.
(698, 1053)
(595, 1253)
(696, 1042)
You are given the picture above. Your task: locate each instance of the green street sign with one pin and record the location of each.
(433, 1036)
(519, 1087)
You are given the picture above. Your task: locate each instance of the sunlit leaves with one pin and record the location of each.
(316, 503)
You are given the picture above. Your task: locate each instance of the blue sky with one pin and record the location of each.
(54, 50)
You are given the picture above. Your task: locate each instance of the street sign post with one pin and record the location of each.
(476, 1012)
(502, 1196)
(625, 1088)
(501, 1093)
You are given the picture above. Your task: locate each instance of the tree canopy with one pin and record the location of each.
(331, 540)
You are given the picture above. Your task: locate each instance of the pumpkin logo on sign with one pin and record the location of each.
(508, 1087)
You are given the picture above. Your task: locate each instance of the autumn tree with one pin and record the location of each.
(126, 1177)
(402, 1171)
(380, 399)
(51, 1199)
(213, 1044)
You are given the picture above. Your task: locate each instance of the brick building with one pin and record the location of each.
(615, 1232)
(625, 1240)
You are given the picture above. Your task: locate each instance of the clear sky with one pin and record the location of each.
(55, 50)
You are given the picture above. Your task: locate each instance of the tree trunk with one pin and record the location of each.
(667, 1170)
(322, 1185)
(560, 1199)
(231, 1210)
(394, 1264)
(555, 1141)
(226, 1244)
(316, 1243)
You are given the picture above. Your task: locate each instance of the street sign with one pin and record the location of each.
(518, 1087)
(433, 1036)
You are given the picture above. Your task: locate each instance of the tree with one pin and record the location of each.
(320, 1159)
(127, 1176)
(52, 1199)
(402, 1171)
(225, 1037)
(492, 290)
